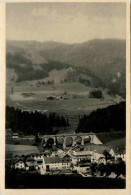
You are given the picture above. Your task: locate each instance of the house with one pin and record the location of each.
(61, 153)
(98, 151)
(47, 153)
(59, 98)
(53, 154)
(119, 153)
(78, 156)
(97, 157)
(81, 153)
(56, 163)
(112, 175)
(112, 153)
(122, 156)
(83, 168)
(15, 135)
(38, 157)
(19, 164)
(102, 160)
(31, 165)
(93, 156)
(39, 160)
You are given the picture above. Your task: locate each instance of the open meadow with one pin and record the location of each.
(75, 99)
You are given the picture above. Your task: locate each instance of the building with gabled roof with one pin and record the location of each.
(19, 164)
(15, 135)
(56, 163)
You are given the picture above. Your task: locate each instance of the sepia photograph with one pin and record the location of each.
(65, 104)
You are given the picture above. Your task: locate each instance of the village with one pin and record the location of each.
(90, 160)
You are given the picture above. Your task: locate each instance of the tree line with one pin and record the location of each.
(112, 118)
(96, 94)
(32, 123)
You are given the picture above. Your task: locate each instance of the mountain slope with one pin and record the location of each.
(104, 59)
(93, 54)
(90, 53)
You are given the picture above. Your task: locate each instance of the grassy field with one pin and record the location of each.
(20, 141)
(111, 136)
(12, 150)
(40, 91)
(30, 96)
(119, 143)
(113, 139)
(77, 104)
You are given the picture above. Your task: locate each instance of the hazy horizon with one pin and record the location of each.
(65, 22)
(65, 42)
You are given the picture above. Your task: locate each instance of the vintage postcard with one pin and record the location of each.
(65, 97)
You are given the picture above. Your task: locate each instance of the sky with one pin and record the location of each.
(65, 22)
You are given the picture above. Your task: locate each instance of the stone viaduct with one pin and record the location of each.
(81, 136)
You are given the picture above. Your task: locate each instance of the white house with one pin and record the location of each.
(99, 158)
(87, 154)
(122, 156)
(56, 163)
(77, 156)
(39, 160)
(20, 164)
(15, 135)
(81, 154)
(112, 153)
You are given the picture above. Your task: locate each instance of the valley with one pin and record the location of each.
(68, 79)
(76, 104)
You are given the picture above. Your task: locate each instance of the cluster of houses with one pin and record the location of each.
(67, 162)
(64, 97)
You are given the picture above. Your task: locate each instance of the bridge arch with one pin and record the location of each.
(59, 141)
(69, 141)
(87, 139)
(78, 140)
(44, 141)
(50, 141)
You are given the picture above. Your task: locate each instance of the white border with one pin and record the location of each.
(4, 191)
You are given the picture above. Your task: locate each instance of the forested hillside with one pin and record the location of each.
(112, 118)
(104, 59)
(32, 123)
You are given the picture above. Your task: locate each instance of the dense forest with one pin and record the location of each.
(118, 87)
(112, 118)
(32, 123)
(96, 94)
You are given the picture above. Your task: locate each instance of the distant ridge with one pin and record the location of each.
(103, 58)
